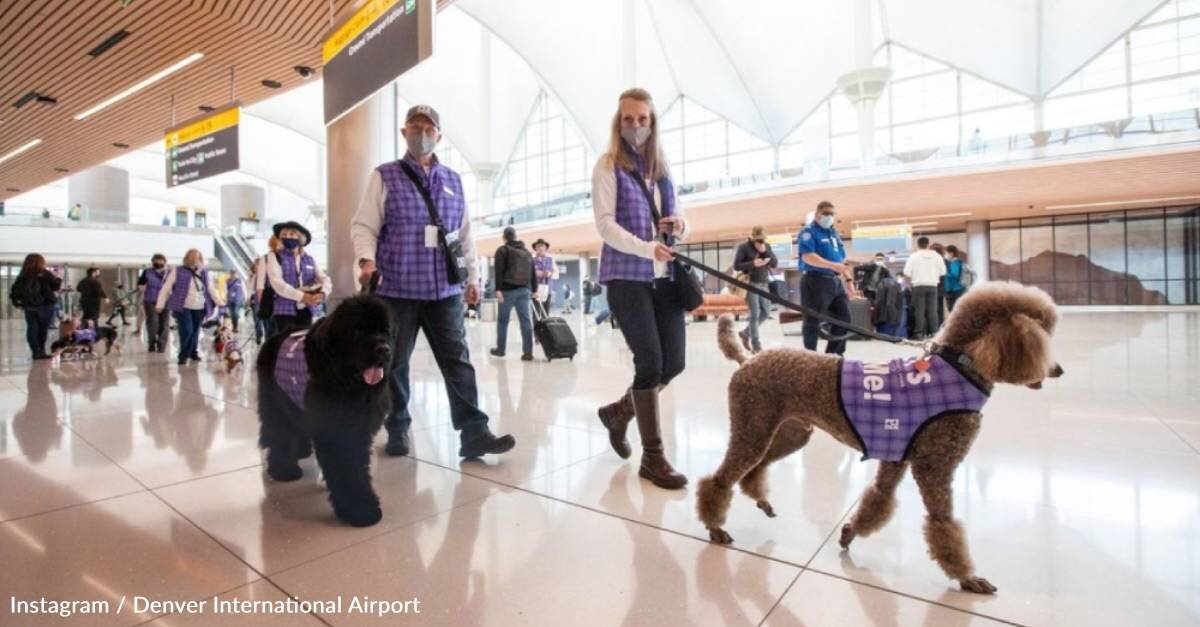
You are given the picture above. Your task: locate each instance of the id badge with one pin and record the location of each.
(431, 236)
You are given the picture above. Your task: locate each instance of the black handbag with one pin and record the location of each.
(687, 285)
(456, 262)
(266, 304)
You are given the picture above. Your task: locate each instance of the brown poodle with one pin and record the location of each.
(999, 332)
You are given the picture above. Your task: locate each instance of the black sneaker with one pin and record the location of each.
(527, 357)
(194, 357)
(495, 352)
(480, 441)
(398, 443)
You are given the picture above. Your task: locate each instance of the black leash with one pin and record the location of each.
(783, 302)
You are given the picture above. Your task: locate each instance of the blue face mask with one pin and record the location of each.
(825, 221)
(291, 243)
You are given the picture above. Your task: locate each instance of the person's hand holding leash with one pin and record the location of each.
(663, 253)
(472, 294)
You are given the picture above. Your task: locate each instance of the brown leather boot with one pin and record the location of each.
(655, 466)
(615, 417)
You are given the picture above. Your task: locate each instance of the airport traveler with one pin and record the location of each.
(413, 229)
(822, 288)
(35, 291)
(635, 267)
(190, 293)
(755, 259)
(91, 295)
(150, 284)
(956, 261)
(235, 298)
(515, 281)
(119, 305)
(925, 269)
(297, 280)
(547, 273)
(941, 294)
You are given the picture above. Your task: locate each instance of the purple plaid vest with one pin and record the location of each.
(154, 283)
(633, 214)
(235, 294)
(543, 264)
(84, 336)
(291, 370)
(887, 404)
(306, 275)
(409, 269)
(183, 279)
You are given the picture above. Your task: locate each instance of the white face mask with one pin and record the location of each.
(825, 221)
(636, 136)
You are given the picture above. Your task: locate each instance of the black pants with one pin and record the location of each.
(302, 319)
(925, 310)
(118, 310)
(158, 325)
(91, 311)
(826, 294)
(37, 326)
(652, 321)
(952, 297)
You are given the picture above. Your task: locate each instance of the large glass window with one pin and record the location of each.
(1136, 257)
(702, 146)
(549, 162)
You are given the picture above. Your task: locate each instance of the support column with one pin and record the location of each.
(979, 248)
(238, 200)
(354, 146)
(103, 193)
(865, 85)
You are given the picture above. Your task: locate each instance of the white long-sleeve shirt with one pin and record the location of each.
(924, 268)
(194, 298)
(368, 222)
(291, 292)
(604, 209)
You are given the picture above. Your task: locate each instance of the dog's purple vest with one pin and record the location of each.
(183, 279)
(154, 283)
(291, 370)
(888, 404)
(409, 269)
(307, 275)
(84, 336)
(633, 214)
(234, 293)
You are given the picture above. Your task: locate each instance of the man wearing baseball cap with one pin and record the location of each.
(394, 235)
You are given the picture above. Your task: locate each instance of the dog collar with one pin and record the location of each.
(963, 363)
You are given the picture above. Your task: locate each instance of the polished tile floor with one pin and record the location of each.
(131, 477)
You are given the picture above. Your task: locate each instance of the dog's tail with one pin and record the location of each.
(728, 341)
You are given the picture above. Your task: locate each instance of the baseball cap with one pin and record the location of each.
(424, 110)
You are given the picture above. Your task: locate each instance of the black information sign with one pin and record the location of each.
(202, 148)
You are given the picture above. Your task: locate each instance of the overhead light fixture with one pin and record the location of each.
(20, 150)
(272, 84)
(61, 170)
(12, 189)
(1114, 203)
(206, 108)
(144, 83)
(105, 45)
(120, 145)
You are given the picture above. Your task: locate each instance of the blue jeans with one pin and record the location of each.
(37, 325)
(442, 322)
(760, 308)
(188, 322)
(519, 299)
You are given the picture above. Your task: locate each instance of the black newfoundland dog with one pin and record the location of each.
(325, 389)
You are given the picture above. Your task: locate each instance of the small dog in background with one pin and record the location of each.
(226, 344)
(923, 413)
(76, 340)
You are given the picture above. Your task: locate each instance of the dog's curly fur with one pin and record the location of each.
(777, 397)
(342, 412)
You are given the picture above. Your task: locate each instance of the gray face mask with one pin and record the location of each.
(420, 144)
(636, 136)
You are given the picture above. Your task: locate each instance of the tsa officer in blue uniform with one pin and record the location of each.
(822, 288)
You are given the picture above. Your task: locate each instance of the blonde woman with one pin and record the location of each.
(633, 199)
(191, 294)
(299, 284)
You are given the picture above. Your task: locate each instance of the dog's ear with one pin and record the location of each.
(1013, 349)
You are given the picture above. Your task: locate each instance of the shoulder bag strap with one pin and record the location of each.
(434, 218)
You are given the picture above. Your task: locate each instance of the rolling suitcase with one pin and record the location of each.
(554, 334)
(860, 316)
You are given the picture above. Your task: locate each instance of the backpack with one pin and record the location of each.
(519, 270)
(966, 276)
(26, 293)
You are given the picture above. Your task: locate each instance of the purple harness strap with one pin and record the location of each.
(888, 404)
(291, 370)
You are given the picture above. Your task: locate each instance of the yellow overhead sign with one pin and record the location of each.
(200, 128)
(894, 230)
(354, 27)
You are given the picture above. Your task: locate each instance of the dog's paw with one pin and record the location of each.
(719, 536)
(847, 536)
(978, 585)
(766, 508)
(285, 474)
(363, 516)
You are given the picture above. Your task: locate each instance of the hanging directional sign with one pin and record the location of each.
(203, 147)
(371, 47)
